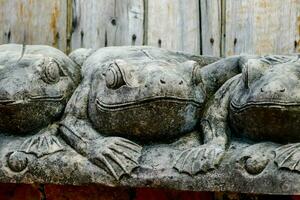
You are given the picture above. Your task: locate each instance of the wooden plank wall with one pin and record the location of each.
(42, 22)
(100, 23)
(173, 24)
(262, 26)
(211, 27)
(211, 23)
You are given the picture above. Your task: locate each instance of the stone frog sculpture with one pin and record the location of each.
(36, 83)
(261, 104)
(133, 95)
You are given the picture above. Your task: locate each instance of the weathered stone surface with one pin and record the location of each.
(132, 96)
(36, 83)
(68, 167)
(148, 117)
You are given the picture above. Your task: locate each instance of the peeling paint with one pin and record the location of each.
(53, 25)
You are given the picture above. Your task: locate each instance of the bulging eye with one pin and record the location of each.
(113, 77)
(252, 71)
(196, 76)
(51, 72)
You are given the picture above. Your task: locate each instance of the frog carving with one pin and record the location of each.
(35, 84)
(131, 96)
(261, 104)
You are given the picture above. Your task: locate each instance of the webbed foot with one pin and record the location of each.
(44, 143)
(199, 159)
(117, 156)
(41, 145)
(288, 157)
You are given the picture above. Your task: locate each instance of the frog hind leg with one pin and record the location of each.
(42, 144)
(288, 157)
(118, 156)
(37, 146)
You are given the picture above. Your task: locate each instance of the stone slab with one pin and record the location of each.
(68, 167)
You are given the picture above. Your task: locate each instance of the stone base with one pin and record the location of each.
(156, 170)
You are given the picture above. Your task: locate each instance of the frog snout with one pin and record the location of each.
(273, 87)
(4, 95)
(10, 96)
(163, 82)
(13, 88)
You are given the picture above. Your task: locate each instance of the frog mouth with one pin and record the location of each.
(128, 105)
(8, 102)
(278, 104)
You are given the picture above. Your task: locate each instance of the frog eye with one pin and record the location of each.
(196, 74)
(113, 77)
(253, 70)
(51, 72)
(245, 75)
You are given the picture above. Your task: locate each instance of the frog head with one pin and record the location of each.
(267, 101)
(34, 87)
(146, 100)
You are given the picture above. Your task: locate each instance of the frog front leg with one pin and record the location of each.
(116, 155)
(214, 128)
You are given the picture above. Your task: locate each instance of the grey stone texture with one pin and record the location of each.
(149, 117)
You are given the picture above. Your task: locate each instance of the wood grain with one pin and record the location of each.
(211, 14)
(213, 27)
(107, 23)
(173, 24)
(262, 26)
(42, 22)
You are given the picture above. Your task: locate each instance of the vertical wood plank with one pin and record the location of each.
(43, 22)
(99, 23)
(262, 26)
(211, 14)
(174, 24)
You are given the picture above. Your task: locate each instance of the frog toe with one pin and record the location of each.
(288, 157)
(115, 155)
(131, 157)
(207, 159)
(180, 164)
(41, 145)
(187, 161)
(200, 159)
(116, 163)
(103, 162)
(202, 162)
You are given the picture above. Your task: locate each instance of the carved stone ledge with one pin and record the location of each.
(68, 167)
(60, 126)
